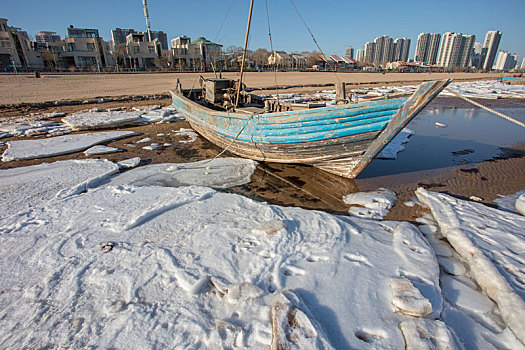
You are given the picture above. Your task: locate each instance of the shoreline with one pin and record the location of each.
(18, 89)
(297, 185)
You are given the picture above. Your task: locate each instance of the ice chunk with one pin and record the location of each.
(491, 242)
(520, 204)
(396, 145)
(219, 173)
(161, 115)
(54, 146)
(99, 149)
(465, 297)
(376, 203)
(129, 163)
(293, 329)
(188, 133)
(31, 186)
(101, 120)
(407, 299)
(508, 203)
(423, 334)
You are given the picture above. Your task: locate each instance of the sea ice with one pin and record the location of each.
(520, 204)
(161, 115)
(127, 267)
(510, 203)
(100, 149)
(396, 145)
(188, 133)
(54, 146)
(128, 163)
(28, 187)
(101, 120)
(424, 334)
(407, 299)
(492, 243)
(373, 204)
(219, 173)
(147, 139)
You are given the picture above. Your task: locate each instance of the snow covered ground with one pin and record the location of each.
(489, 89)
(154, 259)
(54, 146)
(40, 125)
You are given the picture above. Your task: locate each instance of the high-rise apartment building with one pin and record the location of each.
(349, 53)
(456, 50)
(476, 55)
(490, 48)
(118, 35)
(384, 50)
(163, 38)
(360, 55)
(523, 63)
(427, 48)
(401, 48)
(370, 51)
(505, 61)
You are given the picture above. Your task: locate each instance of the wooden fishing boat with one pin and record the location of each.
(340, 139)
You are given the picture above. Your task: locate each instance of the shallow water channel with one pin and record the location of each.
(463, 137)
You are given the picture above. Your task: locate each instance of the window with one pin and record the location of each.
(151, 49)
(71, 47)
(86, 61)
(136, 49)
(90, 46)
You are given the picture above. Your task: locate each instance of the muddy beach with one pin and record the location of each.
(308, 187)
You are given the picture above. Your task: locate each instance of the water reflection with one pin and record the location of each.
(470, 136)
(483, 134)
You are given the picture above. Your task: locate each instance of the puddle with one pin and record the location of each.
(470, 136)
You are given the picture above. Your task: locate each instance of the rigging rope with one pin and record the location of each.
(315, 41)
(214, 63)
(223, 151)
(271, 47)
(487, 108)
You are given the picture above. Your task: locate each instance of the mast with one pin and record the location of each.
(145, 3)
(244, 52)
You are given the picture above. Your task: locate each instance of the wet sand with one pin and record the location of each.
(308, 187)
(16, 89)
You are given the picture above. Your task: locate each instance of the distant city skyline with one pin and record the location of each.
(336, 27)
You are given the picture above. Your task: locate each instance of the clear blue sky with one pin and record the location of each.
(336, 24)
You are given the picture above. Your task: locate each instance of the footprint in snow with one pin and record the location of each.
(357, 259)
(293, 271)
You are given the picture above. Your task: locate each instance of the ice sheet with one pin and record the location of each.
(128, 267)
(101, 120)
(396, 145)
(492, 243)
(373, 204)
(28, 187)
(99, 149)
(54, 146)
(219, 173)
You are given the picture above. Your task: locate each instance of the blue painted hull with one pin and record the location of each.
(334, 138)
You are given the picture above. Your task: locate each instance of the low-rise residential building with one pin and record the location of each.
(47, 37)
(299, 61)
(85, 50)
(200, 54)
(281, 59)
(16, 51)
(141, 53)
